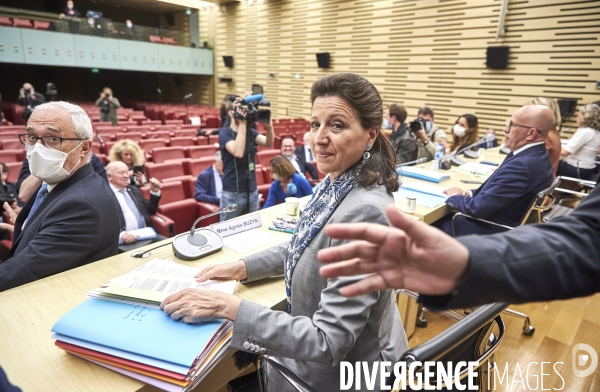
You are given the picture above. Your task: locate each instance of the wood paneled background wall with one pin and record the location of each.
(416, 52)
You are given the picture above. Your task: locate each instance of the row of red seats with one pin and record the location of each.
(24, 23)
(162, 40)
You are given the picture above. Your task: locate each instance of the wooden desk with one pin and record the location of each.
(430, 215)
(28, 354)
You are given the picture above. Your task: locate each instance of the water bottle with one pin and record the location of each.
(439, 153)
(490, 140)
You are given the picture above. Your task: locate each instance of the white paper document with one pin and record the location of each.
(250, 239)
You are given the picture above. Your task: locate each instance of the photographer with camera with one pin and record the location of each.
(237, 144)
(30, 99)
(427, 141)
(108, 106)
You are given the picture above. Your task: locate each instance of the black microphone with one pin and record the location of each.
(415, 162)
(196, 241)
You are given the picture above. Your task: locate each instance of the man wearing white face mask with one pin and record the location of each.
(65, 225)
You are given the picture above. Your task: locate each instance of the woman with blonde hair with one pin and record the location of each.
(580, 152)
(553, 138)
(130, 153)
(286, 182)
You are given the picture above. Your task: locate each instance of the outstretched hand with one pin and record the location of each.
(410, 255)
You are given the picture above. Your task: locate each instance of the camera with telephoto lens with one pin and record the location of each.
(253, 111)
(27, 91)
(416, 125)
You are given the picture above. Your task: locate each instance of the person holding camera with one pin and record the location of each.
(30, 99)
(403, 141)
(239, 161)
(433, 135)
(108, 106)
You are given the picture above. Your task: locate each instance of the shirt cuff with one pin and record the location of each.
(157, 193)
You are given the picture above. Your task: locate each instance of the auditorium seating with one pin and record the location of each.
(194, 167)
(8, 156)
(22, 23)
(161, 171)
(161, 154)
(264, 157)
(183, 141)
(39, 25)
(5, 21)
(149, 144)
(14, 168)
(195, 152)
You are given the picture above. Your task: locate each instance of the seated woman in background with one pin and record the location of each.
(321, 328)
(286, 182)
(553, 139)
(130, 153)
(580, 152)
(464, 132)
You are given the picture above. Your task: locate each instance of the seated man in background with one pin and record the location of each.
(27, 184)
(134, 211)
(288, 145)
(68, 223)
(508, 192)
(209, 184)
(403, 141)
(7, 187)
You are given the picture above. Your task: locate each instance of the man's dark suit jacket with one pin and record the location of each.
(506, 195)
(305, 166)
(72, 227)
(145, 207)
(553, 261)
(204, 190)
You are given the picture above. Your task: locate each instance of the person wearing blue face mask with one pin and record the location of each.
(403, 141)
(67, 223)
(434, 135)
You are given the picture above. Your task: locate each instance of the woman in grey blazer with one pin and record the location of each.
(321, 328)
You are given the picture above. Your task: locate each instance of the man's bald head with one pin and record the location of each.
(530, 124)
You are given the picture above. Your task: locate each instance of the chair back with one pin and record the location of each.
(542, 202)
(474, 338)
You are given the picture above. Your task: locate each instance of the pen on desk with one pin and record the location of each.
(289, 231)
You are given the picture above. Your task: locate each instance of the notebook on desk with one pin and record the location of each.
(423, 174)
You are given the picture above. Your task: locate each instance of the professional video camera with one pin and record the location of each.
(253, 113)
(416, 125)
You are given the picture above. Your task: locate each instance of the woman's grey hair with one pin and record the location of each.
(591, 116)
(81, 121)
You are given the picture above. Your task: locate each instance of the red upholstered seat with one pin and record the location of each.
(8, 156)
(161, 154)
(183, 141)
(193, 167)
(161, 171)
(264, 157)
(22, 23)
(195, 152)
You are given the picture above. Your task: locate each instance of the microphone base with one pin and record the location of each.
(186, 247)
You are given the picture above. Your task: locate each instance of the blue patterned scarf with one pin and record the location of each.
(315, 215)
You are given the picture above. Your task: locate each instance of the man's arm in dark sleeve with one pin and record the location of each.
(556, 260)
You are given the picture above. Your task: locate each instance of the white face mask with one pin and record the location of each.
(129, 25)
(47, 163)
(459, 130)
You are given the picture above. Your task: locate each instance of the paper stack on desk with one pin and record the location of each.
(121, 328)
(423, 174)
(480, 170)
(143, 343)
(152, 282)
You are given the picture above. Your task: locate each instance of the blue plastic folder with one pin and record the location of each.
(422, 174)
(136, 329)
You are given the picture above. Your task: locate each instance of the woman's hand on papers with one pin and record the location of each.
(195, 306)
(228, 271)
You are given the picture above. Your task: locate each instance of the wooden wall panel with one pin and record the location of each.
(425, 52)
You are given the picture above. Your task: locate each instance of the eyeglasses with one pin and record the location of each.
(512, 124)
(48, 141)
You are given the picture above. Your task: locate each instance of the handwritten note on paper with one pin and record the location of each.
(251, 239)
